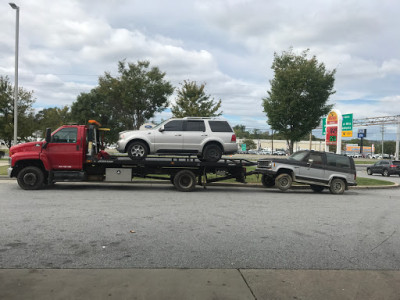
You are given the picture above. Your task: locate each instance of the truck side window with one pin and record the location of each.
(317, 158)
(65, 135)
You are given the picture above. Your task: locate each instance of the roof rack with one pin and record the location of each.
(200, 118)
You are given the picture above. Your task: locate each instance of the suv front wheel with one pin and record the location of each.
(137, 150)
(212, 153)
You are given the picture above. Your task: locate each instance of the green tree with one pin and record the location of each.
(126, 101)
(240, 131)
(192, 101)
(298, 96)
(26, 123)
(249, 144)
(52, 117)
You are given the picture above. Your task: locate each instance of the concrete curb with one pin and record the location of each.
(238, 284)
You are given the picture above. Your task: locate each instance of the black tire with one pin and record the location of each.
(369, 172)
(30, 178)
(283, 181)
(185, 181)
(317, 188)
(137, 150)
(385, 173)
(338, 186)
(212, 153)
(267, 181)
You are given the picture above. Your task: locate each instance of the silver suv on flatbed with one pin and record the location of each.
(208, 138)
(318, 169)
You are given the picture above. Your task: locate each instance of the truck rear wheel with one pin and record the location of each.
(267, 181)
(185, 181)
(30, 178)
(283, 181)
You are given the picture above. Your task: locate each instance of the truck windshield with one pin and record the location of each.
(299, 156)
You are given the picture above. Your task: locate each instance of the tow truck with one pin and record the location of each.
(76, 153)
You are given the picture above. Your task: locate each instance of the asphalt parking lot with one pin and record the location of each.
(151, 241)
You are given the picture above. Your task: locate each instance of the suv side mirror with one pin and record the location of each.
(161, 129)
(310, 161)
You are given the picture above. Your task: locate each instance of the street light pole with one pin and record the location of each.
(16, 72)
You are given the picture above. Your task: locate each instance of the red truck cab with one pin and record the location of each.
(66, 149)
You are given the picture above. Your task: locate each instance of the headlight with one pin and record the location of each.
(121, 136)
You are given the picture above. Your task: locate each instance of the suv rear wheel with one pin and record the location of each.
(385, 173)
(212, 153)
(337, 186)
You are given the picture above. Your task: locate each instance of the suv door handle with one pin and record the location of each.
(204, 135)
(178, 134)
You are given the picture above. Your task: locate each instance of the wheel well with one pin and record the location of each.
(213, 143)
(287, 171)
(28, 163)
(138, 140)
(336, 177)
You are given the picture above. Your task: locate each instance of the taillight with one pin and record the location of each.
(393, 166)
(233, 138)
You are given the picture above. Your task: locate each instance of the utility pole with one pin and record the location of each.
(14, 6)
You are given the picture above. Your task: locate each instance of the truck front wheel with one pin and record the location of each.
(30, 178)
(283, 181)
(185, 181)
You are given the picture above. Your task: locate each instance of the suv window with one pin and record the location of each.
(220, 126)
(195, 126)
(65, 135)
(174, 125)
(338, 161)
(317, 158)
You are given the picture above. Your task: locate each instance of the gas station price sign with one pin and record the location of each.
(331, 135)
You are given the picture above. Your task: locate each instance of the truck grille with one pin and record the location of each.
(264, 164)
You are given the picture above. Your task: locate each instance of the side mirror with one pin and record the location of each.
(47, 138)
(310, 161)
(48, 135)
(161, 129)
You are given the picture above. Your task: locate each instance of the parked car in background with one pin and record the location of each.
(385, 167)
(208, 138)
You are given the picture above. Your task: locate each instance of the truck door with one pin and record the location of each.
(65, 149)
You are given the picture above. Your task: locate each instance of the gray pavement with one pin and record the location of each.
(204, 283)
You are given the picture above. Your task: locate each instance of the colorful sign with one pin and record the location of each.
(347, 125)
(332, 118)
(243, 147)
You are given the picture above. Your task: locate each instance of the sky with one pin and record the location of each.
(65, 45)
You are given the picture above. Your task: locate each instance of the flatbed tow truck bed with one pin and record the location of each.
(183, 172)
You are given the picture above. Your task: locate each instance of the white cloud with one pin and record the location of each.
(65, 45)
